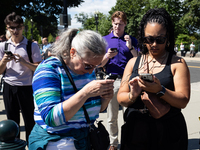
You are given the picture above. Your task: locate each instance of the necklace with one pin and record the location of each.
(154, 61)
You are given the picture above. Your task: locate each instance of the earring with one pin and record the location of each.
(168, 43)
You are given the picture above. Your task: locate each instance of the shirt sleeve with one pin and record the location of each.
(2, 45)
(47, 95)
(36, 56)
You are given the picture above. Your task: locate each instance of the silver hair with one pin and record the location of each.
(87, 43)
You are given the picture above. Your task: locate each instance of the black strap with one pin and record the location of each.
(29, 52)
(6, 46)
(74, 86)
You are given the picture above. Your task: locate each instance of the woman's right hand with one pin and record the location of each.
(135, 89)
(98, 87)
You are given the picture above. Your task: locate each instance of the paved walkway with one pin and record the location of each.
(191, 113)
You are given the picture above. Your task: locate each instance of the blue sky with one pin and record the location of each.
(90, 6)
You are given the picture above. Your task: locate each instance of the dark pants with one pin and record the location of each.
(182, 52)
(18, 98)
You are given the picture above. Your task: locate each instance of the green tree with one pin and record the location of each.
(137, 8)
(191, 18)
(185, 39)
(89, 22)
(27, 33)
(43, 12)
(51, 38)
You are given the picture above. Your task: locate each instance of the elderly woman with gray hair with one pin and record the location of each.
(60, 121)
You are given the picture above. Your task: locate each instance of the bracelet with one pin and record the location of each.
(132, 48)
(106, 56)
(130, 98)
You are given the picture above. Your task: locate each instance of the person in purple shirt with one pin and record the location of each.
(120, 49)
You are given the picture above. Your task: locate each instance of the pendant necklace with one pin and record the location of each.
(154, 61)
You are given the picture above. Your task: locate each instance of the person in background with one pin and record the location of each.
(171, 82)
(2, 38)
(45, 46)
(8, 35)
(182, 49)
(115, 61)
(175, 48)
(59, 116)
(18, 73)
(192, 47)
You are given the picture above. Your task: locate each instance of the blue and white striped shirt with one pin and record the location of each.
(51, 87)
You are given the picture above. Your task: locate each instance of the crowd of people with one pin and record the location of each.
(183, 51)
(40, 84)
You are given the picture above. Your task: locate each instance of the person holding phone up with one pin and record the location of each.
(171, 85)
(59, 116)
(120, 49)
(18, 73)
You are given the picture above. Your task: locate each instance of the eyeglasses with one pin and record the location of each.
(17, 28)
(151, 40)
(87, 66)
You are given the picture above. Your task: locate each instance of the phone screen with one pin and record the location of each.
(111, 76)
(114, 49)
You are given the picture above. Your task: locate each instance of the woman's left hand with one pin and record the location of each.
(152, 87)
(108, 95)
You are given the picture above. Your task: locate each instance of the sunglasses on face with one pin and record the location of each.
(158, 39)
(87, 66)
(17, 28)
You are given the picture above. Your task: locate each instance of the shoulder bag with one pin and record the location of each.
(99, 137)
(157, 107)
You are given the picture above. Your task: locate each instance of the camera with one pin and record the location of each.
(146, 77)
(8, 53)
(111, 76)
(114, 49)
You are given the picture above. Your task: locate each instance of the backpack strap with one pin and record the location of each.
(6, 46)
(28, 48)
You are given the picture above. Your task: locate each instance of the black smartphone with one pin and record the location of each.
(111, 76)
(8, 53)
(146, 77)
(114, 49)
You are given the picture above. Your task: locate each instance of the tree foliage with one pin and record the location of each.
(43, 12)
(185, 15)
(89, 22)
(191, 18)
(137, 8)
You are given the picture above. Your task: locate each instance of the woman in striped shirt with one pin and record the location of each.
(60, 120)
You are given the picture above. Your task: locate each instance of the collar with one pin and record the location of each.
(24, 41)
(113, 36)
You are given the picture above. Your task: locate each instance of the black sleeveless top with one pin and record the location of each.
(165, 77)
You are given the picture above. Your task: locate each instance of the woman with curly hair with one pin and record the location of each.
(170, 83)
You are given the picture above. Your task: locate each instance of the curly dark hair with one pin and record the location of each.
(160, 16)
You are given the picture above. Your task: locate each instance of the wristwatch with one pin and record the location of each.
(132, 48)
(162, 92)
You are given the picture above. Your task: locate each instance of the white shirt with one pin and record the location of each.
(16, 73)
(192, 46)
(182, 47)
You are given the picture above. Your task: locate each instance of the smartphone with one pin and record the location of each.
(8, 53)
(111, 76)
(146, 77)
(114, 49)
